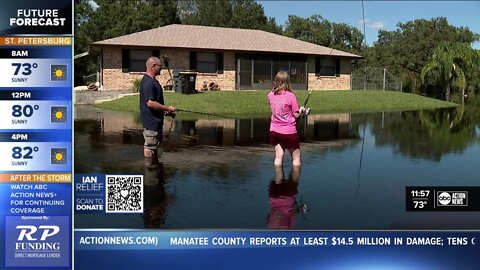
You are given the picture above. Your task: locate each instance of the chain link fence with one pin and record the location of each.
(89, 79)
(376, 79)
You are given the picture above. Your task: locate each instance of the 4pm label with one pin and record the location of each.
(36, 156)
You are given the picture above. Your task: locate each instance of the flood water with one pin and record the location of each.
(219, 173)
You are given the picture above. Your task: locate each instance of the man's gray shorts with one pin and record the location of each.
(152, 138)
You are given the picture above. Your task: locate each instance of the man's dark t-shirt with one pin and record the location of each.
(150, 89)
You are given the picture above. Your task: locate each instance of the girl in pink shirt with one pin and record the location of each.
(285, 111)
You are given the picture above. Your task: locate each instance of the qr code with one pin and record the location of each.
(124, 193)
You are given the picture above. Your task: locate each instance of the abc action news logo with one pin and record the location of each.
(41, 242)
(452, 198)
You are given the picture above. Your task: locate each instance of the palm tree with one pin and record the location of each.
(447, 67)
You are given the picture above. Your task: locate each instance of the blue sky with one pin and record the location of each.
(379, 14)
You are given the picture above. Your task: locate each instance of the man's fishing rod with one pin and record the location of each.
(173, 114)
(203, 113)
(166, 61)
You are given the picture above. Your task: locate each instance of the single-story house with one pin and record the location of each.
(235, 59)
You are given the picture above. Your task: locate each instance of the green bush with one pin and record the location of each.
(136, 85)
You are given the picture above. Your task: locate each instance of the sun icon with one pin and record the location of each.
(58, 157)
(58, 114)
(59, 73)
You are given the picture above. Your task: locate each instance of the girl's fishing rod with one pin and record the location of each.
(307, 110)
(364, 88)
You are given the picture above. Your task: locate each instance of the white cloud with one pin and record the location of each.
(377, 25)
(372, 24)
(93, 4)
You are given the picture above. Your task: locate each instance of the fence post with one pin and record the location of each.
(384, 70)
(365, 78)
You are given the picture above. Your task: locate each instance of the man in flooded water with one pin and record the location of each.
(152, 107)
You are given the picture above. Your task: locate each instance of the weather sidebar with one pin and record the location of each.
(36, 39)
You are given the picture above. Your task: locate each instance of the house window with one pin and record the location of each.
(298, 72)
(137, 60)
(262, 72)
(280, 65)
(326, 67)
(206, 62)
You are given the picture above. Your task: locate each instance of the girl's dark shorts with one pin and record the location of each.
(286, 141)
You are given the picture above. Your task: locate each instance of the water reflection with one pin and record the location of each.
(108, 128)
(426, 134)
(155, 196)
(218, 170)
(282, 199)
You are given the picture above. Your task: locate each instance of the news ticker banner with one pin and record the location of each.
(168, 249)
(36, 54)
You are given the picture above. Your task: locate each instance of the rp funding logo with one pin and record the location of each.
(452, 198)
(32, 242)
(37, 241)
(27, 231)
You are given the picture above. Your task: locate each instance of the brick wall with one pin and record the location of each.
(115, 79)
(330, 82)
(225, 81)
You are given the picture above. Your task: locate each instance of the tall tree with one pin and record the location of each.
(249, 14)
(114, 18)
(317, 30)
(83, 13)
(208, 13)
(347, 38)
(83, 66)
(405, 50)
(103, 19)
(447, 67)
(227, 13)
(314, 29)
(473, 75)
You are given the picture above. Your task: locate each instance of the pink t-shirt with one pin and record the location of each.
(283, 106)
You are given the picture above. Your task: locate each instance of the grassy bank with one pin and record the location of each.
(254, 103)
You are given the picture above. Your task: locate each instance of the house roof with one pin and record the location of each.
(219, 38)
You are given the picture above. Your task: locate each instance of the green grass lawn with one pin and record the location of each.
(254, 103)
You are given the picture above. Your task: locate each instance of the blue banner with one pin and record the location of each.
(36, 50)
(147, 249)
